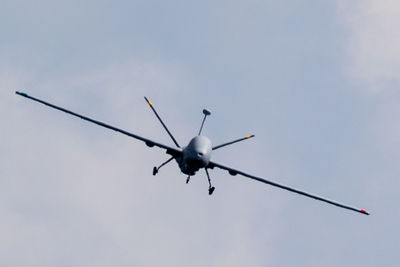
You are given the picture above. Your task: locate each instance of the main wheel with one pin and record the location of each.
(211, 190)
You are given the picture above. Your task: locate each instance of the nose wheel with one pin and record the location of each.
(210, 187)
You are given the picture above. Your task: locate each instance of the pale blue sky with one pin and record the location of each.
(316, 82)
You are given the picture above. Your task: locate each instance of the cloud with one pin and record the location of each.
(75, 194)
(372, 65)
(373, 48)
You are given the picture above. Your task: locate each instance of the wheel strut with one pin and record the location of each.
(210, 187)
(155, 169)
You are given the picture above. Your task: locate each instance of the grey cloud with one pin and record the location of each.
(76, 194)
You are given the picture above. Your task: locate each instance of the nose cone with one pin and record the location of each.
(200, 148)
(196, 155)
(201, 144)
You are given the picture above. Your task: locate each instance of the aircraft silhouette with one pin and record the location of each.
(196, 155)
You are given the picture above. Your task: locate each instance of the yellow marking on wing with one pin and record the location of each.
(149, 102)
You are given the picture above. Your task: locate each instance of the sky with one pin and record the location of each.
(316, 82)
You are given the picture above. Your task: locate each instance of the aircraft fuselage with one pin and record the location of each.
(196, 155)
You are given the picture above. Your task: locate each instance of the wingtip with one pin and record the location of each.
(21, 93)
(364, 212)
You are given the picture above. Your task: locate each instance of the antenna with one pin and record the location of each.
(232, 142)
(163, 124)
(206, 113)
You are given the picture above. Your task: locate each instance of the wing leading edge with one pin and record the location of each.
(150, 143)
(232, 171)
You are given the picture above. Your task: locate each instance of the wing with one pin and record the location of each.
(172, 151)
(231, 171)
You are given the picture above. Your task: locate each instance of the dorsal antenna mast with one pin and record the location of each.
(206, 113)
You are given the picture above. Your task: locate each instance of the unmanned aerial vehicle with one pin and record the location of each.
(196, 155)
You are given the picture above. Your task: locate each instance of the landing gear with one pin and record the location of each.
(210, 187)
(188, 179)
(211, 190)
(155, 169)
